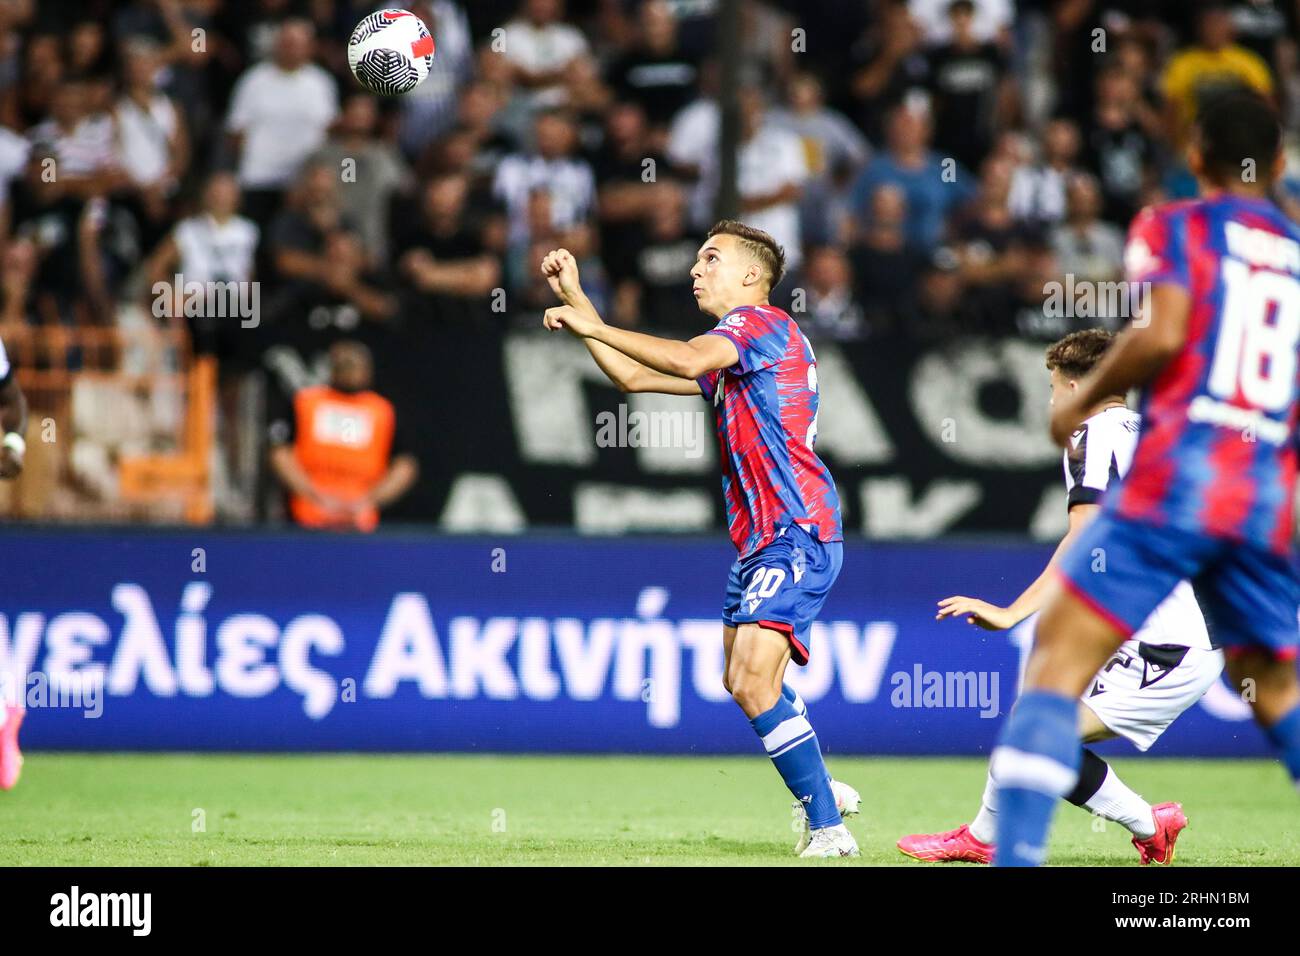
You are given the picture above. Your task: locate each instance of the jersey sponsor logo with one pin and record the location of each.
(1248, 421)
(1139, 259)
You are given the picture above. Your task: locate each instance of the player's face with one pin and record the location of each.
(717, 278)
(1062, 387)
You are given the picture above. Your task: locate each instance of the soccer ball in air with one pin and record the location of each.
(390, 52)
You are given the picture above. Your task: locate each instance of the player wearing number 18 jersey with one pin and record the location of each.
(1209, 494)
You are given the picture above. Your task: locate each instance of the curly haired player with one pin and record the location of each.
(1157, 674)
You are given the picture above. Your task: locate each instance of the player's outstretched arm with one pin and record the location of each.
(629, 375)
(994, 618)
(1139, 353)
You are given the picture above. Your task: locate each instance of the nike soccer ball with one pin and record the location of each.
(390, 52)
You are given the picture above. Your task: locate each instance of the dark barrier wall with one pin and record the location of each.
(205, 641)
(520, 430)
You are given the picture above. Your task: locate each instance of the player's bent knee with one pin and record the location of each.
(753, 693)
(1091, 729)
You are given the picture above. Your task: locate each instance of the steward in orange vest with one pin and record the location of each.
(332, 451)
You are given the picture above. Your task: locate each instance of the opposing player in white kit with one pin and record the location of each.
(1157, 674)
(13, 425)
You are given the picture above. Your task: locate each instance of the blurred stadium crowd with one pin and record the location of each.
(929, 165)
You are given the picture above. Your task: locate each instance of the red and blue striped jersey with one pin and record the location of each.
(765, 407)
(1217, 451)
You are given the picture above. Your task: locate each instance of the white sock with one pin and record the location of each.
(985, 825)
(1115, 801)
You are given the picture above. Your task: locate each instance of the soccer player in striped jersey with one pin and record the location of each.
(758, 371)
(1157, 674)
(1210, 494)
(13, 423)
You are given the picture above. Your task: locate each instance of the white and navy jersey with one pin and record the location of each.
(5, 368)
(1100, 453)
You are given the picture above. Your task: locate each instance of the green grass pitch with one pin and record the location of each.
(215, 810)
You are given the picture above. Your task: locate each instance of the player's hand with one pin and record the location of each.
(981, 613)
(567, 317)
(1066, 419)
(11, 463)
(561, 271)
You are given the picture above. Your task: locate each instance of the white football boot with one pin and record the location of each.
(847, 800)
(833, 841)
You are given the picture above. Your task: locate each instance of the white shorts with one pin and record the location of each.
(1144, 687)
(1158, 672)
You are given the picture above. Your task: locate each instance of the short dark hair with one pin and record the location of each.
(1075, 355)
(1233, 126)
(770, 256)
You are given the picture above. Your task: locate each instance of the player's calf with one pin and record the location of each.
(757, 662)
(1276, 700)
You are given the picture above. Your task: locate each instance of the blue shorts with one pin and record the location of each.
(783, 586)
(1122, 569)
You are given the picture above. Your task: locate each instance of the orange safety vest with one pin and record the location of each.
(342, 441)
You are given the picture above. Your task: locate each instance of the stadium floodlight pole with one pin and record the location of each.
(728, 199)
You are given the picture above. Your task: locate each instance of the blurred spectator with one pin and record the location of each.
(933, 186)
(942, 311)
(655, 73)
(1214, 63)
(14, 150)
(1038, 189)
(539, 46)
(990, 20)
(442, 258)
(834, 152)
(1265, 27)
(830, 310)
(320, 268)
(627, 170)
(73, 226)
(885, 267)
(214, 245)
(893, 69)
(660, 295)
(371, 171)
(992, 246)
(153, 141)
(337, 449)
(430, 109)
(17, 272)
(586, 98)
(279, 113)
(770, 173)
(693, 141)
(970, 89)
(553, 165)
(1117, 147)
(541, 233)
(1087, 248)
(42, 74)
